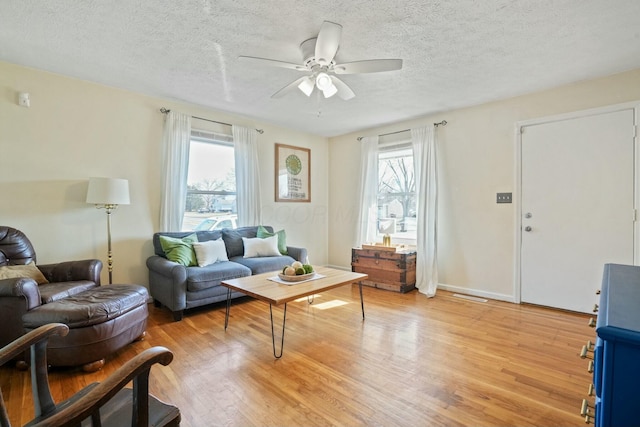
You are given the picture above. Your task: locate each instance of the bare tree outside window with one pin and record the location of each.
(396, 193)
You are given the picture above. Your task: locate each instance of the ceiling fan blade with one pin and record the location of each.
(273, 63)
(368, 66)
(288, 88)
(328, 42)
(344, 91)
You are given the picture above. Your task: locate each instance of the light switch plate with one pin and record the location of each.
(503, 198)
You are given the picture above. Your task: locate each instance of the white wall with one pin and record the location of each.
(477, 160)
(75, 129)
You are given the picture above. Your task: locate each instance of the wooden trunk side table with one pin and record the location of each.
(390, 270)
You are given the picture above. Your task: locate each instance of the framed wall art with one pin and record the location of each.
(293, 174)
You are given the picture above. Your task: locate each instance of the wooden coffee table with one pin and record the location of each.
(260, 287)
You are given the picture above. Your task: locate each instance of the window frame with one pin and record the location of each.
(215, 138)
(384, 149)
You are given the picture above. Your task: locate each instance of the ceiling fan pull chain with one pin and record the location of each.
(318, 104)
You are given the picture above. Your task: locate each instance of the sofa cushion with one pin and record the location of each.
(264, 264)
(29, 271)
(199, 278)
(210, 252)
(282, 238)
(55, 291)
(180, 250)
(258, 247)
(233, 239)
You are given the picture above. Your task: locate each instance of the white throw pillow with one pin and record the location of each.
(261, 247)
(210, 251)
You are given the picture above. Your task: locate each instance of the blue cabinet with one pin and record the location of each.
(616, 358)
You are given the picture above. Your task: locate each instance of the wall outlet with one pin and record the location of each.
(503, 198)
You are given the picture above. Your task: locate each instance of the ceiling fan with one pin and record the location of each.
(318, 55)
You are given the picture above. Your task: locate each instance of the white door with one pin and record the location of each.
(577, 206)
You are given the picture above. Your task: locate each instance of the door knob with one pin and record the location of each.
(528, 228)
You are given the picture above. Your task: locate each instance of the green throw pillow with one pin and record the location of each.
(282, 238)
(180, 250)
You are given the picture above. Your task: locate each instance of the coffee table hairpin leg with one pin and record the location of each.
(361, 300)
(226, 315)
(284, 319)
(273, 335)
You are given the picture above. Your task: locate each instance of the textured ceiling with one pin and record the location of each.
(456, 53)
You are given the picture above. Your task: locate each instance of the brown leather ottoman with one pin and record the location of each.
(101, 321)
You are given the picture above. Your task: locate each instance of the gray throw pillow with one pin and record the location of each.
(233, 242)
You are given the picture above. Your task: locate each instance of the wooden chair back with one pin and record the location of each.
(103, 404)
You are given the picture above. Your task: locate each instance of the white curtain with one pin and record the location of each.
(175, 141)
(245, 143)
(426, 176)
(368, 215)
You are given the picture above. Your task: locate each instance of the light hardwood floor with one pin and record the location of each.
(414, 361)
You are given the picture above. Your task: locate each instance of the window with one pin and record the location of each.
(397, 192)
(211, 183)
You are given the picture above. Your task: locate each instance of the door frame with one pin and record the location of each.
(635, 106)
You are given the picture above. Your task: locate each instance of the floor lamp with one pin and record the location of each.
(107, 194)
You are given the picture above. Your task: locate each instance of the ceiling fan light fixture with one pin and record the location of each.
(319, 64)
(330, 91)
(306, 86)
(323, 81)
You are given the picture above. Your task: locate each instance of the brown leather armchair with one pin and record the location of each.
(101, 319)
(19, 295)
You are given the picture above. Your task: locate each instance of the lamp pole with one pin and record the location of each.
(107, 194)
(108, 209)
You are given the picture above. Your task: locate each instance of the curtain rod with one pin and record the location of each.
(165, 111)
(442, 123)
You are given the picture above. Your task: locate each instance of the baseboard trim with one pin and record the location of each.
(338, 267)
(456, 289)
(477, 293)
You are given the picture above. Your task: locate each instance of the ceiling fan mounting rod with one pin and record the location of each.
(308, 48)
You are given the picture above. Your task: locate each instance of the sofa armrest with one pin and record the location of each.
(70, 271)
(299, 254)
(169, 269)
(168, 283)
(21, 287)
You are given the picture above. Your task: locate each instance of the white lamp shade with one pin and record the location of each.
(330, 91)
(323, 81)
(108, 191)
(306, 86)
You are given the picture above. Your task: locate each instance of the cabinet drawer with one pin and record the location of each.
(399, 281)
(401, 258)
(597, 367)
(384, 264)
(617, 350)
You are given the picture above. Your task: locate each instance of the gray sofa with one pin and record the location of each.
(180, 288)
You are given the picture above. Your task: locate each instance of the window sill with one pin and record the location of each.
(406, 238)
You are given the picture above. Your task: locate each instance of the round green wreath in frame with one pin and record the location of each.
(293, 164)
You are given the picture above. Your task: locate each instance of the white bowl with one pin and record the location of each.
(296, 278)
